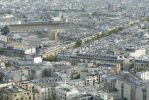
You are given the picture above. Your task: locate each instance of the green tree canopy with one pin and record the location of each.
(78, 43)
(5, 30)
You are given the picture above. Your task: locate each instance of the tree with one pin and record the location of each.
(1, 51)
(8, 64)
(141, 69)
(146, 19)
(46, 73)
(5, 30)
(98, 36)
(78, 43)
(78, 76)
(50, 58)
(94, 14)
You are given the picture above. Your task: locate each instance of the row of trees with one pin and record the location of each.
(146, 19)
(116, 30)
(98, 36)
(78, 43)
(50, 58)
(8, 64)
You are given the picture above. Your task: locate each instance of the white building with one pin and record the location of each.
(30, 51)
(65, 92)
(44, 91)
(3, 38)
(143, 75)
(138, 53)
(91, 79)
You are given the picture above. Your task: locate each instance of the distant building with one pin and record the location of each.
(53, 28)
(7, 20)
(18, 50)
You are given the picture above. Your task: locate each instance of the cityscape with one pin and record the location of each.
(74, 49)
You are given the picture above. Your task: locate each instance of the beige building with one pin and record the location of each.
(52, 28)
(26, 85)
(15, 93)
(117, 69)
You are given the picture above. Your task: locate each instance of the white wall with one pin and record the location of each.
(37, 60)
(138, 53)
(30, 51)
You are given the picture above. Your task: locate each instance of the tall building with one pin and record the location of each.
(132, 89)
